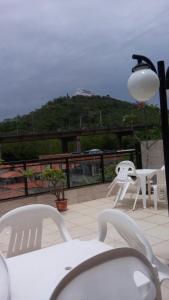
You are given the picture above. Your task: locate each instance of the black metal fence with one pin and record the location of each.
(80, 170)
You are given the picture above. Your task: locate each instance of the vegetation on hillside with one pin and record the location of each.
(67, 113)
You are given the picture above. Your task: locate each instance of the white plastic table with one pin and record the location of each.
(34, 275)
(142, 174)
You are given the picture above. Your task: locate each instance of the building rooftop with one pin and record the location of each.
(83, 92)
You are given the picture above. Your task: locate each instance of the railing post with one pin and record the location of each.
(138, 156)
(102, 168)
(25, 180)
(68, 173)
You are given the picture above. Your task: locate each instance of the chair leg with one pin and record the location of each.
(136, 198)
(117, 196)
(149, 189)
(109, 192)
(111, 187)
(124, 190)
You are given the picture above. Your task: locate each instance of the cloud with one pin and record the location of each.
(49, 48)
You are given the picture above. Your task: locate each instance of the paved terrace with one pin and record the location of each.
(81, 221)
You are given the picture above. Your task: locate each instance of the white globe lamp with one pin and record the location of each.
(143, 84)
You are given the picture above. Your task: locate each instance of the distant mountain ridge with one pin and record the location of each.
(81, 112)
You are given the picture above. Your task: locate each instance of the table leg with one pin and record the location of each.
(143, 189)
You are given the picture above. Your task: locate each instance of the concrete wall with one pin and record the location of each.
(152, 154)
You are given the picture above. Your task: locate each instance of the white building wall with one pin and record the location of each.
(152, 154)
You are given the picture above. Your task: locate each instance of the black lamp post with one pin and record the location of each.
(142, 85)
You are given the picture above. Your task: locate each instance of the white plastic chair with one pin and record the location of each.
(159, 189)
(132, 234)
(4, 280)
(122, 170)
(123, 182)
(110, 275)
(26, 224)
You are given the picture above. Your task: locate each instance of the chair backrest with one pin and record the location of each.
(125, 168)
(127, 228)
(110, 275)
(26, 224)
(4, 280)
(127, 162)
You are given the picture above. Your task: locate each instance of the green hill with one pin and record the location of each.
(67, 113)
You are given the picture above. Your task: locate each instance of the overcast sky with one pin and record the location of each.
(49, 48)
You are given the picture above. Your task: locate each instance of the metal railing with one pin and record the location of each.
(80, 170)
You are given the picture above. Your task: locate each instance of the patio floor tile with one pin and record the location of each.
(162, 250)
(152, 240)
(158, 219)
(161, 232)
(144, 224)
(165, 293)
(140, 214)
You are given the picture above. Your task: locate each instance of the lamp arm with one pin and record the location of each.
(141, 58)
